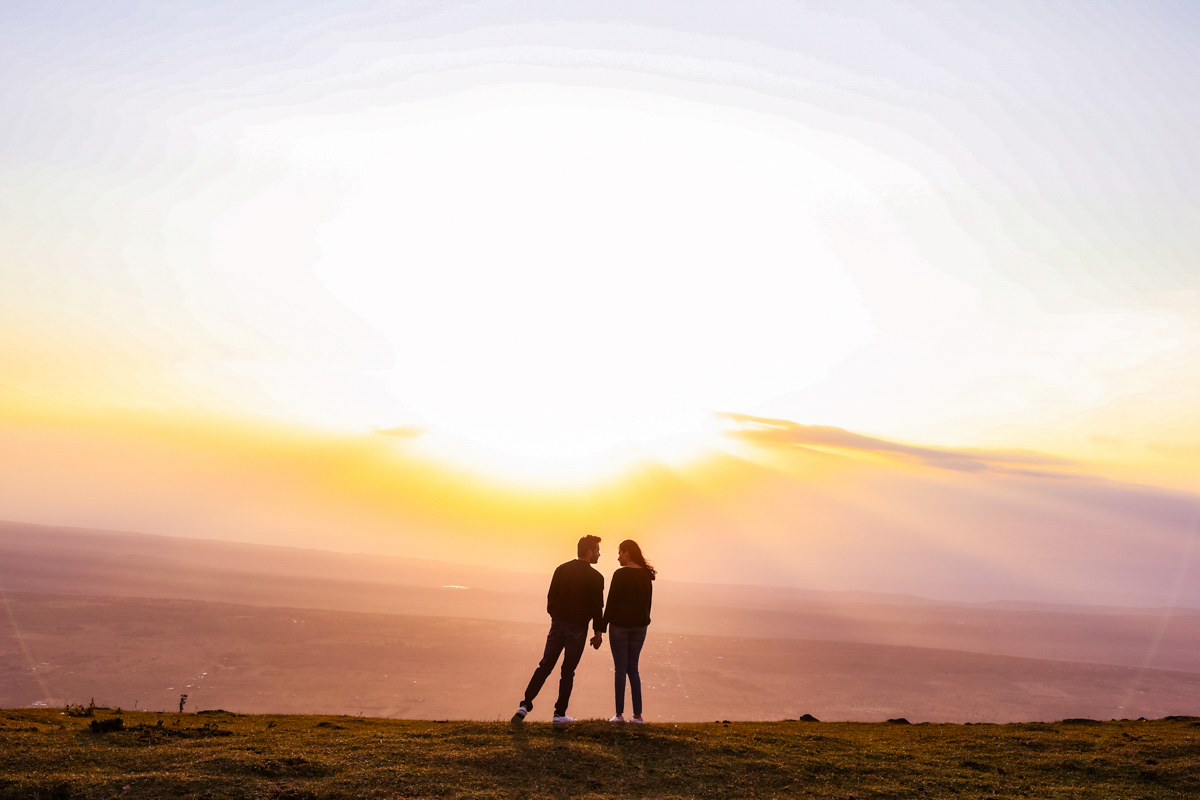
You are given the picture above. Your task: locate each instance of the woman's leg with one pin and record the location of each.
(618, 642)
(636, 637)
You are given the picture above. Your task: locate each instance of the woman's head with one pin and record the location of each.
(632, 553)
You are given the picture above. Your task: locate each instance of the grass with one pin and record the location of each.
(48, 754)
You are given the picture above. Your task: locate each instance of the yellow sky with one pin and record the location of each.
(455, 282)
(547, 277)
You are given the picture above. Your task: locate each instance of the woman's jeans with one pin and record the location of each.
(626, 645)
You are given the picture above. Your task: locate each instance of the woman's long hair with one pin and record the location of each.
(635, 554)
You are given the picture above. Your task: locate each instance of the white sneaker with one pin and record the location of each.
(563, 720)
(617, 718)
(638, 720)
(520, 715)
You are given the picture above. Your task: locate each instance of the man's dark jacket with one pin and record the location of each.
(577, 595)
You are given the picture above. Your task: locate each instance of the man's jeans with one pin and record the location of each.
(626, 645)
(563, 636)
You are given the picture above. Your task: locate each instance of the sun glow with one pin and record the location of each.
(563, 275)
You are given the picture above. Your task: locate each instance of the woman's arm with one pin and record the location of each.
(649, 597)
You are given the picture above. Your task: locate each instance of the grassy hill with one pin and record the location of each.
(50, 754)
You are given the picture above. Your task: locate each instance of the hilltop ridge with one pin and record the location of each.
(46, 753)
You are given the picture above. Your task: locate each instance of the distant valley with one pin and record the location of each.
(136, 619)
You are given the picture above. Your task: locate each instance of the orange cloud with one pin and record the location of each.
(785, 433)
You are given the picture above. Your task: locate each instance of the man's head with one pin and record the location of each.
(589, 549)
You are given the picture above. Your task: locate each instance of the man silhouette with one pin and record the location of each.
(576, 596)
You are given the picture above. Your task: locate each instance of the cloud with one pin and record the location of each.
(402, 431)
(784, 433)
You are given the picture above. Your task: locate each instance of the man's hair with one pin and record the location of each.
(588, 544)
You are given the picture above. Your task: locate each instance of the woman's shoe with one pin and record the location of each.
(638, 719)
(617, 718)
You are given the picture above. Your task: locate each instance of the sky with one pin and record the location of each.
(462, 279)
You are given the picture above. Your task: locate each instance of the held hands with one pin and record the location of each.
(597, 640)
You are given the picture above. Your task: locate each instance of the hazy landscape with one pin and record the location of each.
(136, 621)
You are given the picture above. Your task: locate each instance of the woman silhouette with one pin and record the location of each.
(626, 616)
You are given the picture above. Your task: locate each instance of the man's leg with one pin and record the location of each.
(575, 637)
(555, 641)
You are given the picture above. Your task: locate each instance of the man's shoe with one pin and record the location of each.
(617, 718)
(563, 720)
(520, 715)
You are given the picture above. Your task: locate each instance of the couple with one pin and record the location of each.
(576, 597)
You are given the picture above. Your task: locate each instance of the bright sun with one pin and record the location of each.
(562, 275)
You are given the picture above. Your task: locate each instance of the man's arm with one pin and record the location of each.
(596, 610)
(555, 593)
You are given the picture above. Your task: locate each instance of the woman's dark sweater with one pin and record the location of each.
(629, 598)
